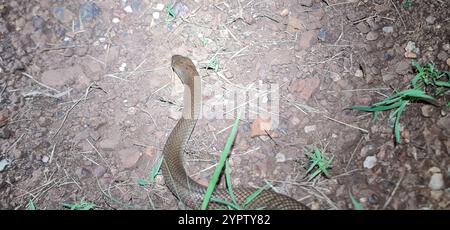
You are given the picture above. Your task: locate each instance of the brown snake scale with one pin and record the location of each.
(180, 184)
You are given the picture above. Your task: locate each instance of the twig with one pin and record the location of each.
(38, 93)
(237, 53)
(398, 12)
(394, 191)
(3, 90)
(13, 144)
(98, 152)
(51, 154)
(232, 35)
(353, 153)
(39, 83)
(351, 126)
(88, 90)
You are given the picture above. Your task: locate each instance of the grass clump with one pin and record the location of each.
(319, 162)
(82, 205)
(427, 82)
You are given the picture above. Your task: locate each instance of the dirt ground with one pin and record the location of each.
(87, 99)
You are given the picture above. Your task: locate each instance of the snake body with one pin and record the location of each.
(180, 184)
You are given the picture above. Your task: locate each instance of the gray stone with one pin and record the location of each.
(280, 157)
(129, 157)
(372, 36)
(427, 110)
(363, 27)
(370, 162)
(430, 19)
(89, 11)
(388, 29)
(403, 67)
(436, 181)
(388, 77)
(442, 56)
(99, 171)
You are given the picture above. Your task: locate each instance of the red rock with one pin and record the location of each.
(307, 39)
(261, 126)
(305, 87)
(129, 158)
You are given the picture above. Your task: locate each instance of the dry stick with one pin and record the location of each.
(135, 69)
(39, 83)
(37, 93)
(98, 152)
(353, 153)
(3, 90)
(89, 159)
(51, 154)
(357, 90)
(150, 115)
(13, 144)
(351, 126)
(321, 62)
(394, 191)
(237, 53)
(398, 12)
(232, 35)
(71, 108)
(113, 76)
(346, 173)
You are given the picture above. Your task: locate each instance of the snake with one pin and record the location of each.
(182, 186)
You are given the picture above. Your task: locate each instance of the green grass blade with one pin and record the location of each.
(388, 101)
(254, 195)
(223, 158)
(356, 204)
(397, 121)
(31, 205)
(229, 184)
(155, 170)
(442, 84)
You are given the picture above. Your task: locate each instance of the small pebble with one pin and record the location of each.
(3, 164)
(388, 29)
(410, 55)
(370, 162)
(442, 56)
(411, 47)
(132, 111)
(128, 9)
(99, 171)
(280, 157)
(284, 12)
(159, 6)
(436, 182)
(427, 110)
(434, 170)
(430, 19)
(310, 128)
(123, 67)
(115, 20)
(359, 73)
(372, 36)
(45, 159)
(155, 15)
(102, 39)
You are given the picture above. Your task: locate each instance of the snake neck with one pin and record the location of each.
(192, 98)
